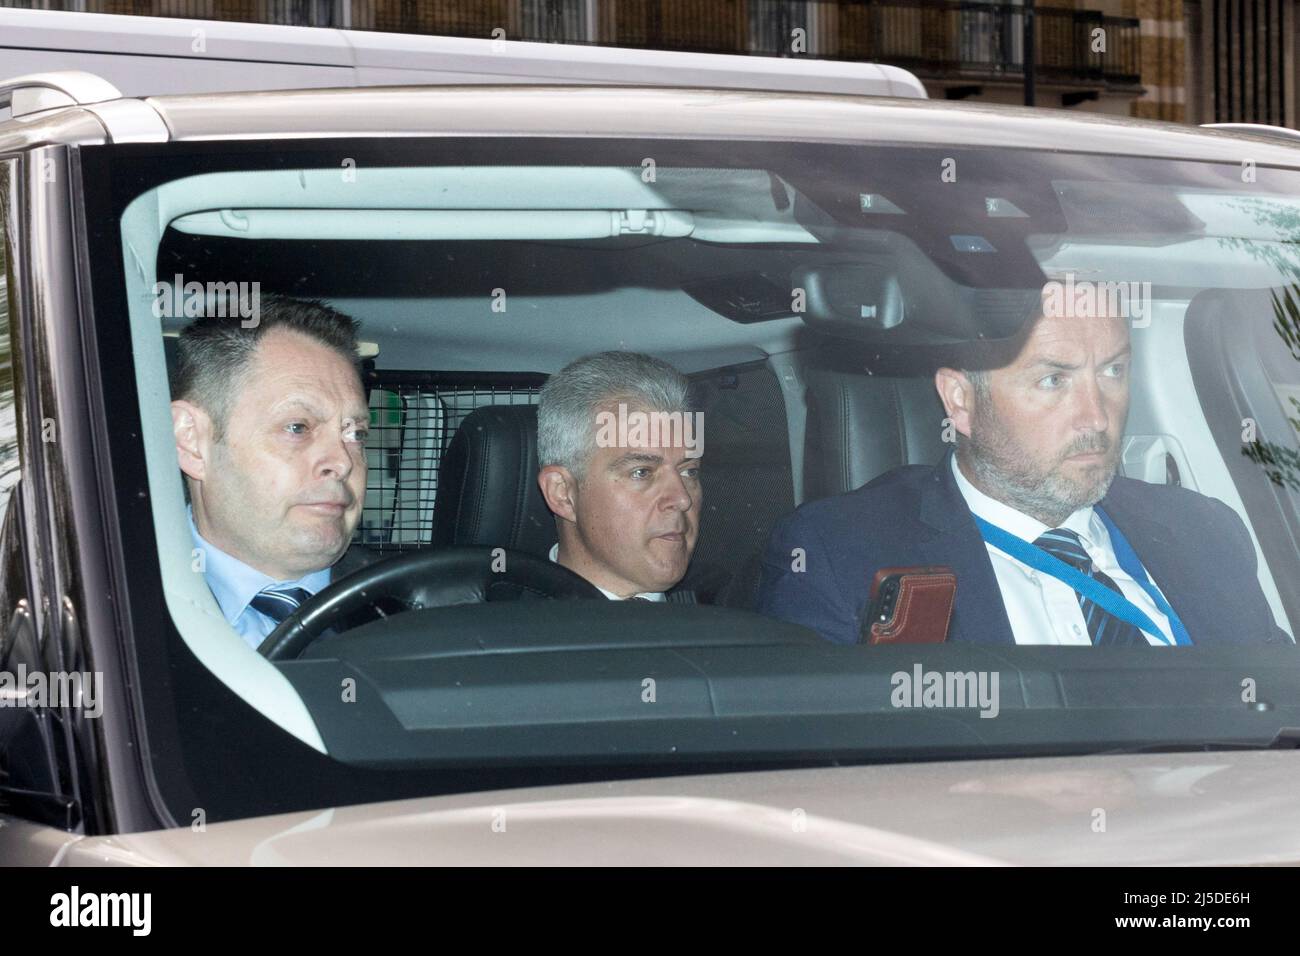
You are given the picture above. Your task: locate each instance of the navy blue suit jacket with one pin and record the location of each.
(1195, 548)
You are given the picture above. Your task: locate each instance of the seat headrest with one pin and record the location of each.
(487, 484)
(861, 426)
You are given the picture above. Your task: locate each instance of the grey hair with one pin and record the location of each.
(980, 385)
(979, 381)
(572, 397)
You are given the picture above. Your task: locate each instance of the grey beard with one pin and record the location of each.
(1049, 498)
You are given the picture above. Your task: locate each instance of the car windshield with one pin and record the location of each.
(898, 360)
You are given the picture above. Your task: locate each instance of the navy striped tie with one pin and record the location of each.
(1104, 628)
(279, 603)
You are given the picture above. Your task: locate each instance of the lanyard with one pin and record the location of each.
(1118, 605)
(1128, 560)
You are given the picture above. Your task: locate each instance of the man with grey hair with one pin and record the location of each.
(1048, 544)
(270, 423)
(620, 447)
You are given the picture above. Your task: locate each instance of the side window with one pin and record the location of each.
(13, 574)
(8, 418)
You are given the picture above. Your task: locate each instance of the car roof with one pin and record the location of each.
(145, 56)
(629, 112)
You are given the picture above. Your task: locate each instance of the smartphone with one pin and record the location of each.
(910, 605)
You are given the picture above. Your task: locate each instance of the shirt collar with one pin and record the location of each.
(648, 595)
(233, 583)
(1083, 522)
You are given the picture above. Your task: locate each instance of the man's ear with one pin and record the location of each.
(559, 489)
(192, 429)
(958, 397)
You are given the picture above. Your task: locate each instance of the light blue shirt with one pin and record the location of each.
(233, 583)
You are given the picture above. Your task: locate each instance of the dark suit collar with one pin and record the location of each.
(943, 506)
(1162, 551)
(979, 614)
(1131, 517)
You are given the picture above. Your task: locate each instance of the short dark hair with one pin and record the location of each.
(214, 352)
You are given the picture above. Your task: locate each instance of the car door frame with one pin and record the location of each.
(64, 518)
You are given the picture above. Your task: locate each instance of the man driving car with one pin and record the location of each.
(620, 448)
(270, 425)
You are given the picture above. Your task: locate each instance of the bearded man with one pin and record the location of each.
(1048, 545)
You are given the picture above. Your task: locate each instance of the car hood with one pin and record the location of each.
(1188, 808)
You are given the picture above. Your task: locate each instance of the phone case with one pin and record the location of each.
(921, 609)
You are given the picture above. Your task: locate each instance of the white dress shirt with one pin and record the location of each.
(648, 595)
(1044, 609)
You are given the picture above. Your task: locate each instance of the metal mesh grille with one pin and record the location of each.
(413, 416)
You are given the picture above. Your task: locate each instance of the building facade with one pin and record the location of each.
(1193, 61)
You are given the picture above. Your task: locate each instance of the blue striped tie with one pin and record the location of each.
(1104, 628)
(279, 603)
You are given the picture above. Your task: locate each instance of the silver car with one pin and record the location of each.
(806, 259)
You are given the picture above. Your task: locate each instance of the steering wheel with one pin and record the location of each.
(431, 577)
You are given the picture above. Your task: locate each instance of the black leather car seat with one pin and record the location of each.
(487, 484)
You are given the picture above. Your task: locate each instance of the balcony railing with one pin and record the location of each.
(954, 39)
(934, 38)
(938, 39)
